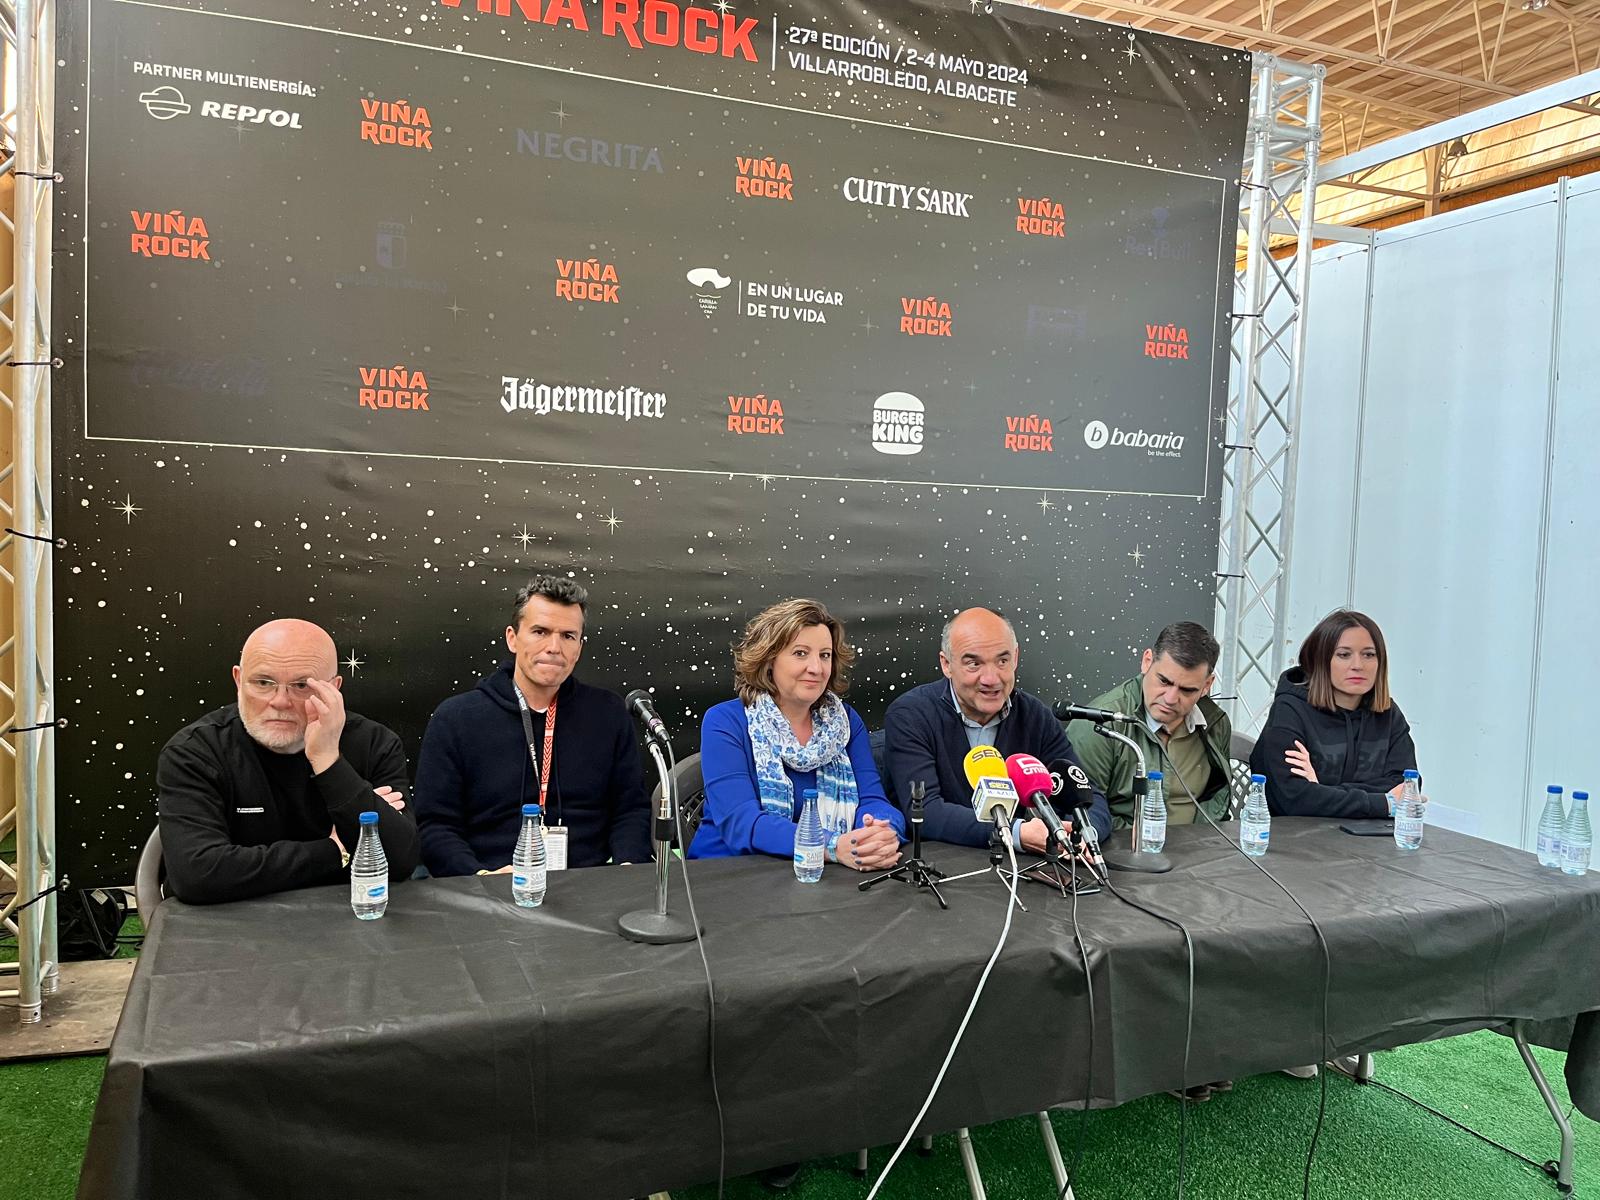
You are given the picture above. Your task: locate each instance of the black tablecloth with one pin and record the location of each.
(462, 1046)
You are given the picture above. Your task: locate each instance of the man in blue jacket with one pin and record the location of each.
(531, 732)
(928, 731)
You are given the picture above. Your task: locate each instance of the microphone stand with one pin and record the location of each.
(914, 871)
(659, 928)
(1148, 864)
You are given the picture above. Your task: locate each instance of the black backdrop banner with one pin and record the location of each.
(371, 310)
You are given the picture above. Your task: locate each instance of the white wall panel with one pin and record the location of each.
(1563, 749)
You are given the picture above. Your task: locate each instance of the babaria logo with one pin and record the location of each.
(709, 285)
(164, 103)
(1097, 435)
(897, 423)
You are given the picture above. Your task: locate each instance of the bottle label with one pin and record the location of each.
(532, 877)
(1254, 831)
(808, 857)
(1407, 827)
(368, 891)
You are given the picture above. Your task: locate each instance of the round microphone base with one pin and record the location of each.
(655, 929)
(1145, 864)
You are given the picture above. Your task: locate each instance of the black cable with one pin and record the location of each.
(1088, 1083)
(1188, 1032)
(705, 963)
(1394, 1091)
(1327, 959)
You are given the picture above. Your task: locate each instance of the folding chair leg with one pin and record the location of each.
(925, 1145)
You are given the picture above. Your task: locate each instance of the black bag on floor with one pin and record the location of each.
(87, 923)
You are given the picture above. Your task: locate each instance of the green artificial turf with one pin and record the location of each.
(1250, 1143)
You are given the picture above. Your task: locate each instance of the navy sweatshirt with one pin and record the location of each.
(923, 738)
(474, 775)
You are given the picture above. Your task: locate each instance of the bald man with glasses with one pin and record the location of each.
(266, 794)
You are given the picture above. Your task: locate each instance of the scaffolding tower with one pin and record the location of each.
(1277, 199)
(28, 875)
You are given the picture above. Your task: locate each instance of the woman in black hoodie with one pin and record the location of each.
(1335, 744)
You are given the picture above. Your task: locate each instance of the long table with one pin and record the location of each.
(463, 1046)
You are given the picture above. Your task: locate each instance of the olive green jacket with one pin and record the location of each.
(1110, 764)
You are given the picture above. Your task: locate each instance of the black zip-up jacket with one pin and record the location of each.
(1358, 755)
(237, 823)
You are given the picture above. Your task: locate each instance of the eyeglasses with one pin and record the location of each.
(266, 689)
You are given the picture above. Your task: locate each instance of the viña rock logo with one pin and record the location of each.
(587, 279)
(763, 178)
(755, 414)
(396, 123)
(397, 387)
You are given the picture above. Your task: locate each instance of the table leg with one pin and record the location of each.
(1052, 1150)
(969, 1164)
(1563, 1167)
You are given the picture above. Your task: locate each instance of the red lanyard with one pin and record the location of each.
(543, 768)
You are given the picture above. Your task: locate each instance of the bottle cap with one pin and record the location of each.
(369, 818)
(1554, 788)
(808, 794)
(1580, 795)
(530, 810)
(1411, 774)
(1258, 779)
(1155, 776)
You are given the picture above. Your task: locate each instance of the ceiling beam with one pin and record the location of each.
(1552, 96)
(1132, 7)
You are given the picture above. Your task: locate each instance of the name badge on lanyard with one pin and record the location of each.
(555, 834)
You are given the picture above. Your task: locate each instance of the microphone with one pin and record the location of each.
(1091, 844)
(1033, 782)
(644, 710)
(993, 796)
(1076, 712)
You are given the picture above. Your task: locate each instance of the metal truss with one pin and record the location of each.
(27, 675)
(1260, 451)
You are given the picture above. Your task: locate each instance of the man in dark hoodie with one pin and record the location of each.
(528, 733)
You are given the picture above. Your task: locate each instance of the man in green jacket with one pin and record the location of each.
(1181, 731)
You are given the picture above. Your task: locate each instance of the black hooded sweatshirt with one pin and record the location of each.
(1358, 754)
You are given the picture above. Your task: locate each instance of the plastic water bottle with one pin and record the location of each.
(1408, 812)
(1255, 822)
(528, 870)
(369, 872)
(1153, 808)
(1552, 823)
(809, 844)
(1577, 839)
